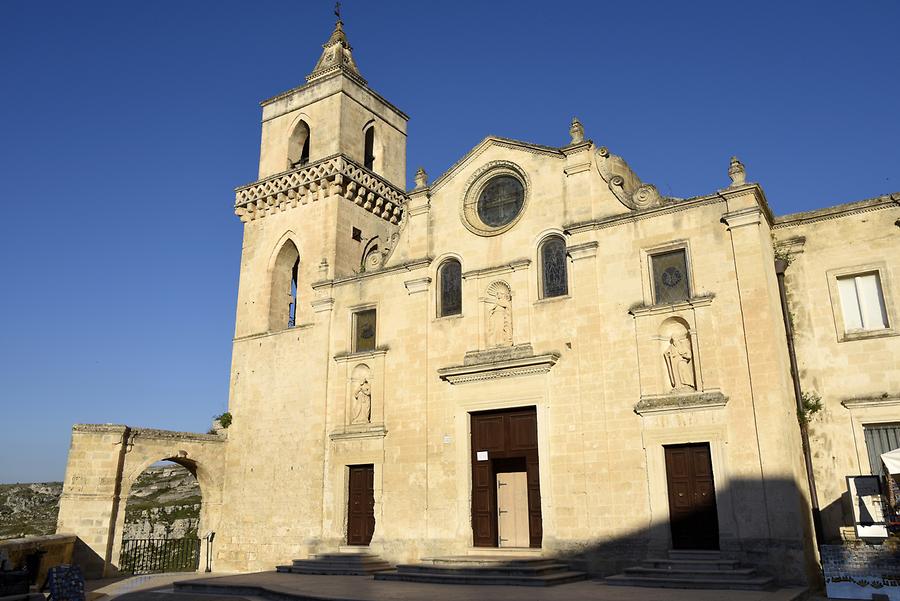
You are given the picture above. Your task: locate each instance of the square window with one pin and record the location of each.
(670, 277)
(364, 331)
(862, 302)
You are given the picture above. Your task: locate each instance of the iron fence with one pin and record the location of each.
(156, 555)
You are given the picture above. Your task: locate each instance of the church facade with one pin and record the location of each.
(535, 353)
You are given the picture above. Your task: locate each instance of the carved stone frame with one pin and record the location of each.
(837, 309)
(468, 210)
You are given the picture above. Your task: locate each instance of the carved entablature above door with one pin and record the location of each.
(679, 365)
(500, 362)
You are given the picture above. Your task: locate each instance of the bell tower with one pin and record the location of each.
(330, 193)
(335, 112)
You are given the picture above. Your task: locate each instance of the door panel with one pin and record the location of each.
(361, 505)
(512, 509)
(692, 498)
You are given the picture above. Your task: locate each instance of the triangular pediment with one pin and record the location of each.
(490, 142)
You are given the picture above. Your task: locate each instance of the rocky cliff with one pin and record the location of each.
(164, 503)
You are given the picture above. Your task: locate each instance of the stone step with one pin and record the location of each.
(694, 554)
(691, 564)
(344, 564)
(487, 561)
(476, 570)
(694, 581)
(739, 573)
(483, 579)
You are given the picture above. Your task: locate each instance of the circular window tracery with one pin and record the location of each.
(495, 198)
(500, 201)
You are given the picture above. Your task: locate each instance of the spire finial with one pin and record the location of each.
(336, 54)
(736, 172)
(576, 131)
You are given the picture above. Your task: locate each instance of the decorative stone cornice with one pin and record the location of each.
(334, 175)
(742, 217)
(640, 214)
(885, 201)
(345, 357)
(417, 285)
(885, 400)
(693, 303)
(359, 431)
(498, 269)
(322, 304)
(498, 363)
(678, 402)
(585, 250)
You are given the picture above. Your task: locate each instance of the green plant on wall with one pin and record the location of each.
(810, 404)
(224, 419)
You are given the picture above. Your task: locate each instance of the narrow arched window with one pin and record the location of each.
(554, 274)
(285, 286)
(298, 145)
(450, 288)
(292, 308)
(369, 152)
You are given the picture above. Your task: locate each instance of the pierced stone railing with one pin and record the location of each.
(314, 182)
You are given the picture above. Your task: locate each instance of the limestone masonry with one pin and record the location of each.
(535, 351)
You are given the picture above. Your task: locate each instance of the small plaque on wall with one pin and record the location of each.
(481, 455)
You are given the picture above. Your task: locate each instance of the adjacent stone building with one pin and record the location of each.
(536, 352)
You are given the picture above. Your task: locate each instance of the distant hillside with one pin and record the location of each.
(164, 503)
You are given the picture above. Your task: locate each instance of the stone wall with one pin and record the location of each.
(53, 549)
(862, 571)
(857, 376)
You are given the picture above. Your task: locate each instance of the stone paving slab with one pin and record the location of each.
(303, 587)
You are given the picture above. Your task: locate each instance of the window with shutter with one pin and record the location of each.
(862, 302)
(880, 438)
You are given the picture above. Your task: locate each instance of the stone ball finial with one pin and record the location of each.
(576, 131)
(421, 178)
(736, 172)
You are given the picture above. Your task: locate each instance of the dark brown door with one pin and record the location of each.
(692, 497)
(501, 442)
(361, 505)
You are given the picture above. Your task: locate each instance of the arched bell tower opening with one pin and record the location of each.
(298, 145)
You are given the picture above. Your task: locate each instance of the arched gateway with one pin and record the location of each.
(105, 460)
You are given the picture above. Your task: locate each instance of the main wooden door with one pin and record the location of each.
(502, 442)
(692, 497)
(361, 505)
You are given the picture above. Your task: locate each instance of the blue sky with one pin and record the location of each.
(125, 126)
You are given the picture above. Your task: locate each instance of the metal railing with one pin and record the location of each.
(156, 555)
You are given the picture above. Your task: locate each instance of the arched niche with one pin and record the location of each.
(678, 356)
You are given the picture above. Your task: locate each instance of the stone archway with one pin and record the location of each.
(104, 462)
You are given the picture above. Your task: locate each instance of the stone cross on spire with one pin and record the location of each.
(337, 55)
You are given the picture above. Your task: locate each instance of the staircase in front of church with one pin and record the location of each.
(343, 564)
(475, 569)
(692, 569)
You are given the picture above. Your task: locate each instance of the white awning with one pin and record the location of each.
(891, 460)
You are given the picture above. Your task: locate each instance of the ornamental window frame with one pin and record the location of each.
(355, 312)
(476, 184)
(439, 288)
(649, 282)
(542, 285)
(882, 272)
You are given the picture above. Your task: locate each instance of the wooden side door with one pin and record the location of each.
(693, 516)
(512, 509)
(361, 505)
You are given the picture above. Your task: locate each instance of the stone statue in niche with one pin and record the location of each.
(680, 364)
(499, 315)
(678, 355)
(362, 403)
